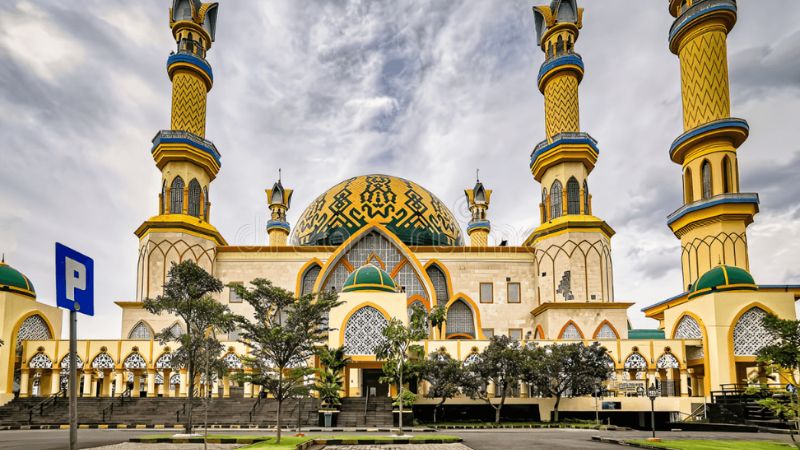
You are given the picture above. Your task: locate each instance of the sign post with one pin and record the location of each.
(75, 292)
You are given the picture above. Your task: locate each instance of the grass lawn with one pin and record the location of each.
(690, 444)
(288, 442)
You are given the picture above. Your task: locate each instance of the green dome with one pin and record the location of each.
(723, 278)
(12, 280)
(369, 278)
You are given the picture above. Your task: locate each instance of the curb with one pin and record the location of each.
(90, 426)
(164, 426)
(628, 444)
(532, 426)
(301, 446)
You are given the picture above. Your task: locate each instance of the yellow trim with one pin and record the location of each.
(606, 322)
(381, 287)
(706, 352)
(732, 325)
(564, 152)
(438, 263)
(399, 266)
(725, 274)
(17, 290)
(302, 273)
(168, 152)
(14, 332)
(576, 223)
(564, 328)
(346, 319)
(180, 223)
(541, 332)
(417, 297)
(475, 310)
(579, 305)
(716, 213)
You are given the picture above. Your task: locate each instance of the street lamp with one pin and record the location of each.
(652, 393)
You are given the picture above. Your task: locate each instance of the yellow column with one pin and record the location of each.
(184, 383)
(55, 381)
(226, 387)
(106, 389)
(151, 382)
(248, 390)
(119, 382)
(137, 384)
(166, 384)
(215, 388)
(24, 383)
(87, 382)
(684, 384)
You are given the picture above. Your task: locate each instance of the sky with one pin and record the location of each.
(327, 90)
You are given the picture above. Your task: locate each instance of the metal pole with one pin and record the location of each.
(653, 416)
(73, 381)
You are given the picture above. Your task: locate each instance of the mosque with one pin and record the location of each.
(388, 245)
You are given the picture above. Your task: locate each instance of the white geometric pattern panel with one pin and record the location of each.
(65, 363)
(135, 361)
(667, 361)
(363, 331)
(34, 328)
(40, 361)
(688, 328)
(103, 361)
(232, 361)
(472, 359)
(612, 375)
(635, 361)
(175, 379)
(164, 361)
(606, 332)
(749, 334)
(571, 332)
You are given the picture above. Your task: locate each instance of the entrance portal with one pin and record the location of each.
(371, 380)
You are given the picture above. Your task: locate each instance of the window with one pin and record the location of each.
(439, 284)
(688, 195)
(194, 198)
(544, 204)
(459, 320)
(726, 175)
(309, 278)
(207, 203)
(163, 197)
(555, 200)
(707, 185)
(486, 293)
(234, 297)
(140, 331)
(573, 197)
(513, 293)
(488, 333)
(585, 197)
(176, 196)
(515, 333)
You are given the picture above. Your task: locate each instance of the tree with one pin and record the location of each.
(559, 369)
(437, 317)
(396, 348)
(501, 363)
(784, 355)
(283, 335)
(188, 295)
(444, 375)
(330, 383)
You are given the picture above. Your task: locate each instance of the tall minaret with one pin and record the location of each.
(573, 246)
(478, 199)
(187, 161)
(711, 224)
(279, 199)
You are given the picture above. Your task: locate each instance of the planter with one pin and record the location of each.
(408, 417)
(328, 417)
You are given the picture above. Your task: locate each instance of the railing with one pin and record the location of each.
(366, 405)
(564, 135)
(253, 409)
(730, 198)
(46, 403)
(696, 413)
(179, 412)
(126, 394)
(697, 8)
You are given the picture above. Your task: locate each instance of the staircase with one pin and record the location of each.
(378, 412)
(156, 411)
(735, 404)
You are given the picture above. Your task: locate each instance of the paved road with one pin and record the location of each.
(477, 440)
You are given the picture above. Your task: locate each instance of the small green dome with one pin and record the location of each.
(12, 280)
(369, 278)
(723, 278)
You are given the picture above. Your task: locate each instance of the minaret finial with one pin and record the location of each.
(4, 258)
(279, 174)
(477, 175)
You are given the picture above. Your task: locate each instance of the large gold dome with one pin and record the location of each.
(405, 208)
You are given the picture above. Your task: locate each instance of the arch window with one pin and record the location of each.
(103, 361)
(585, 197)
(364, 331)
(688, 328)
(176, 196)
(140, 331)
(64, 364)
(460, 320)
(194, 198)
(571, 332)
(573, 196)
(207, 203)
(544, 204)
(439, 281)
(688, 194)
(134, 361)
(176, 330)
(749, 334)
(667, 361)
(727, 185)
(606, 332)
(175, 379)
(40, 361)
(472, 359)
(309, 278)
(164, 361)
(163, 197)
(33, 328)
(636, 365)
(232, 361)
(707, 183)
(555, 200)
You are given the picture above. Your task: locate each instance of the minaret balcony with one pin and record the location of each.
(190, 61)
(731, 129)
(732, 206)
(565, 61)
(178, 145)
(566, 146)
(699, 11)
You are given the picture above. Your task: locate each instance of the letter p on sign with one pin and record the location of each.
(74, 280)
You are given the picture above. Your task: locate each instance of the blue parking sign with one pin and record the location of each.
(74, 280)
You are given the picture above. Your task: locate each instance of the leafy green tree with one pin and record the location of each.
(783, 354)
(501, 363)
(558, 369)
(398, 347)
(445, 377)
(283, 334)
(188, 295)
(437, 317)
(330, 382)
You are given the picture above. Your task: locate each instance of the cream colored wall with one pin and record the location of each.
(586, 318)
(590, 275)
(717, 313)
(562, 172)
(187, 171)
(158, 250)
(716, 242)
(14, 309)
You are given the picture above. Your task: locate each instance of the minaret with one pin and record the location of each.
(562, 163)
(279, 200)
(711, 223)
(478, 200)
(187, 161)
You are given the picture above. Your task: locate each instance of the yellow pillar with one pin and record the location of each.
(24, 383)
(226, 387)
(215, 388)
(87, 382)
(166, 384)
(55, 381)
(184, 389)
(684, 384)
(119, 382)
(137, 384)
(151, 382)
(106, 389)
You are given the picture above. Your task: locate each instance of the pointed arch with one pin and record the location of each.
(371, 311)
(539, 333)
(141, 331)
(176, 329)
(307, 276)
(476, 312)
(727, 178)
(555, 200)
(163, 205)
(606, 330)
(194, 198)
(134, 360)
(176, 196)
(440, 279)
(667, 361)
(747, 334)
(707, 179)
(573, 196)
(460, 321)
(571, 331)
(586, 197)
(688, 193)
